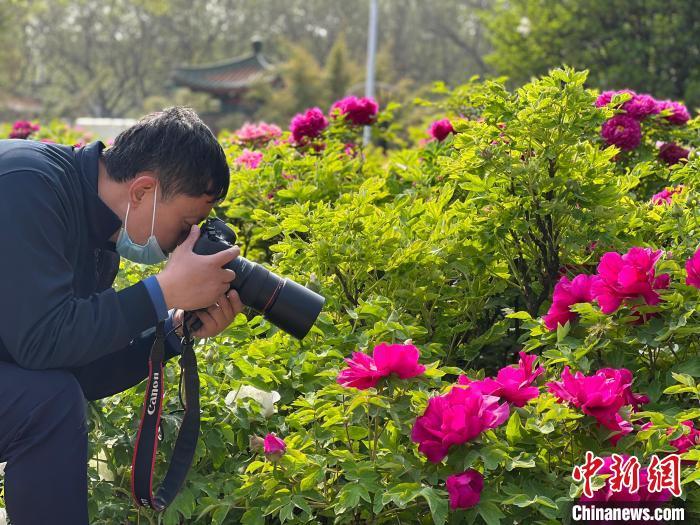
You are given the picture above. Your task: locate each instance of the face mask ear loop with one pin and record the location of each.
(126, 218)
(153, 219)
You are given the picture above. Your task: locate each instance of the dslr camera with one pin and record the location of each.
(289, 306)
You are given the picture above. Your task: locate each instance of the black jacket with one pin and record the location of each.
(57, 307)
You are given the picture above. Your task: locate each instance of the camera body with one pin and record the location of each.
(286, 304)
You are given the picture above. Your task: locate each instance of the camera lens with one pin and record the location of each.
(286, 304)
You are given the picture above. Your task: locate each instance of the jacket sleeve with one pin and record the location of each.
(43, 324)
(123, 369)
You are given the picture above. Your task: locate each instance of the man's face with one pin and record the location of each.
(173, 218)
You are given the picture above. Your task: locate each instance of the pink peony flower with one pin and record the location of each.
(622, 131)
(671, 153)
(665, 196)
(600, 395)
(358, 111)
(257, 133)
(606, 494)
(567, 293)
(365, 371)
(606, 97)
(628, 276)
(349, 149)
(683, 443)
(274, 447)
(624, 377)
(465, 489)
(692, 268)
(678, 112)
(440, 129)
(309, 125)
(21, 129)
(686, 441)
(641, 106)
(362, 372)
(455, 418)
(512, 383)
(249, 159)
(398, 359)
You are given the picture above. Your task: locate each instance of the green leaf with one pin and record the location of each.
(437, 504)
(490, 512)
(690, 367)
(253, 516)
(563, 331)
(219, 515)
(684, 379)
(513, 428)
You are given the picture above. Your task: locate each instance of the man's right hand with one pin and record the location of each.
(190, 281)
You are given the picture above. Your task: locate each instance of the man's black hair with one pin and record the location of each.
(178, 146)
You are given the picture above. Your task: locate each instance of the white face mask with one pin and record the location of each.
(149, 253)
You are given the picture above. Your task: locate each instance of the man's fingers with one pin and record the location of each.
(228, 275)
(191, 238)
(225, 256)
(208, 323)
(226, 308)
(235, 300)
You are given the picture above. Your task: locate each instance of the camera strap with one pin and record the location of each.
(144, 459)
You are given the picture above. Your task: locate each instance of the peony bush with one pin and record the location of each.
(511, 284)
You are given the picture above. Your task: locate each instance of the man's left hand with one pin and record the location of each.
(216, 318)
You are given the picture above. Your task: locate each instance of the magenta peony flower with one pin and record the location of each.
(686, 441)
(365, 371)
(440, 129)
(624, 377)
(600, 395)
(622, 131)
(465, 489)
(641, 106)
(398, 359)
(671, 153)
(309, 125)
(628, 276)
(567, 293)
(606, 97)
(678, 112)
(606, 494)
(257, 133)
(683, 443)
(665, 196)
(249, 159)
(21, 129)
(358, 111)
(361, 374)
(692, 268)
(455, 418)
(512, 383)
(274, 447)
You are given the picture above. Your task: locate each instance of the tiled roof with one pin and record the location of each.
(225, 76)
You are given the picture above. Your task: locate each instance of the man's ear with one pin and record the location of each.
(141, 187)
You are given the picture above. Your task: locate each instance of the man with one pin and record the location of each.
(66, 216)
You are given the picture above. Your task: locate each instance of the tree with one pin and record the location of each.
(339, 72)
(645, 45)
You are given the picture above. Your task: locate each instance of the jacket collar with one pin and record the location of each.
(102, 221)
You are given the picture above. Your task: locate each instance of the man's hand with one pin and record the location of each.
(215, 318)
(190, 281)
